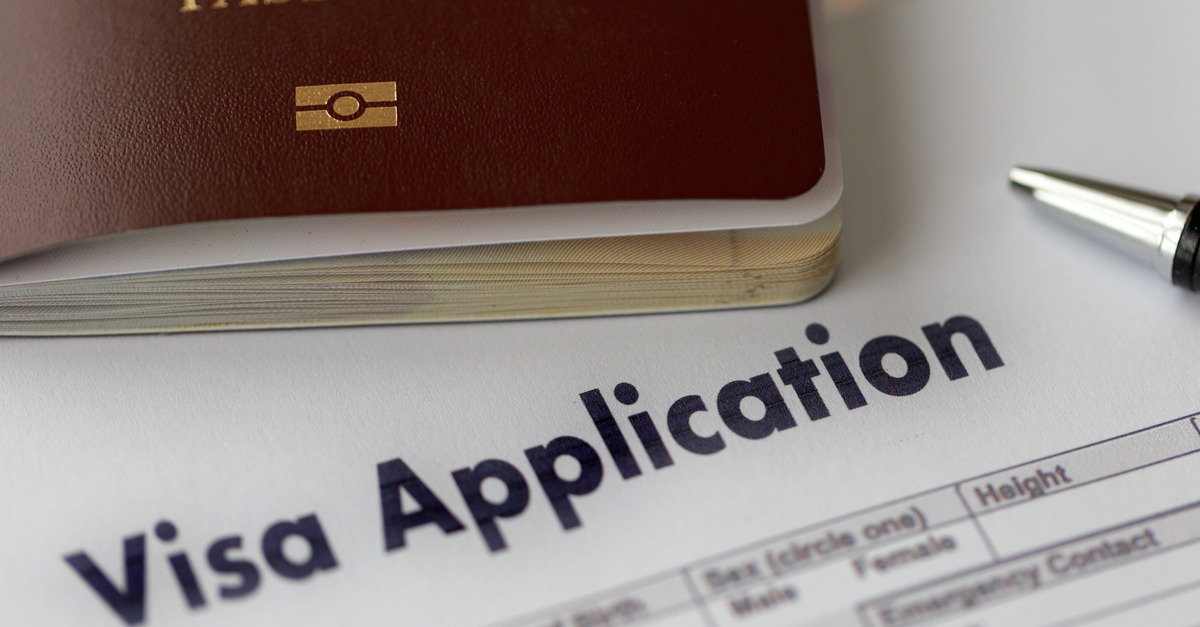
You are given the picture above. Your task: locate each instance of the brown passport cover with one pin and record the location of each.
(124, 114)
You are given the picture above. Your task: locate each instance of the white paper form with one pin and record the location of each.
(252, 478)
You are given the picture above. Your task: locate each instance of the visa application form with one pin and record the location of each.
(986, 420)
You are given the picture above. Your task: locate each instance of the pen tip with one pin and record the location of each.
(1133, 219)
(1023, 177)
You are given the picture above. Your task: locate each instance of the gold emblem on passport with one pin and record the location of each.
(351, 105)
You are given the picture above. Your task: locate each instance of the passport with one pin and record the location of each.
(221, 164)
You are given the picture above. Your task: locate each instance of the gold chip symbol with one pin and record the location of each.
(345, 106)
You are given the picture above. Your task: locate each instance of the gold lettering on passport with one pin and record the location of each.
(346, 106)
(190, 6)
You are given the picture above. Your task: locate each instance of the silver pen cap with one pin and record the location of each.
(1146, 225)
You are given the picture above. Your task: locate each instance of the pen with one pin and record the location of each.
(1161, 230)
